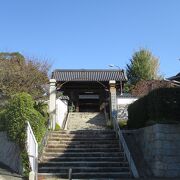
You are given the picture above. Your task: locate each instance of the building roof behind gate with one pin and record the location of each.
(176, 78)
(88, 75)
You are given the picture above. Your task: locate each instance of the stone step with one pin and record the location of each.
(74, 136)
(82, 142)
(82, 169)
(88, 159)
(74, 142)
(86, 132)
(67, 146)
(83, 154)
(78, 114)
(81, 150)
(90, 153)
(84, 164)
(75, 113)
(81, 139)
(86, 118)
(86, 115)
(89, 127)
(93, 175)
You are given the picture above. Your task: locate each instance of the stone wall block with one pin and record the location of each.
(171, 173)
(170, 145)
(160, 165)
(160, 145)
(171, 159)
(174, 166)
(159, 158)
(158, 172)
(10, 153)
(169, 129)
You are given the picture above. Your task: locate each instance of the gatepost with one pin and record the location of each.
(52, 103)
(113, 99)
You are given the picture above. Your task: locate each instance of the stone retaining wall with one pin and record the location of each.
(160, 145)
(10, 153)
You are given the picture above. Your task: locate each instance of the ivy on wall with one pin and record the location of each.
(20, 110)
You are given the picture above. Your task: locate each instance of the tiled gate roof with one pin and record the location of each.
(88, 75)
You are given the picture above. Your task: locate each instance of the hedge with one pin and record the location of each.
(159, 106)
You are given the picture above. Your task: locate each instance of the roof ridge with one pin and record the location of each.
(88, 75)
(81, 70)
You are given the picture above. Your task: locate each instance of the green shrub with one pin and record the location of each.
(159, 106)
(123, 123)
(19, 111)
(2, 119)
(42, 107)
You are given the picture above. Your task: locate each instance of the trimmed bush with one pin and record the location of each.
(159, 106)
(164, 105)
(137, 113)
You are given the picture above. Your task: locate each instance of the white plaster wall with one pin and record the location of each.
(125, 101)
(122, 106)
(61, 111)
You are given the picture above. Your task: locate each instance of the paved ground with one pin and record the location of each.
(8, 174)
(117, 179)
(86, 120)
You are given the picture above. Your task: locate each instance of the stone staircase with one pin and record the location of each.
(91, 154)
(85, 121)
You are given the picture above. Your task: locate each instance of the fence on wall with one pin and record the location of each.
(32, 150)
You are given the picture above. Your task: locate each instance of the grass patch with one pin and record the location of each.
(123, 123)
(57, 127)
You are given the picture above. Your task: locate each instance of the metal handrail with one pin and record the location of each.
(122, 143)
(43, 143)
(106, 115)
(65, 121)
(70, 174)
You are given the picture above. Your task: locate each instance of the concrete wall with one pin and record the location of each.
(10, 153)
(61, 111)
(160, 145)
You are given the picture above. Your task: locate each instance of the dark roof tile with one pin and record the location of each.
(88, 75)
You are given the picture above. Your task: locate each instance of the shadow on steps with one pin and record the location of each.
(90, 154)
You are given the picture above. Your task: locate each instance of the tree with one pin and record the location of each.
(12, 57)
(143, 66)
(142, 88)
(18, 74)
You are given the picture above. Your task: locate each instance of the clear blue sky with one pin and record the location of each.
(92, 33)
